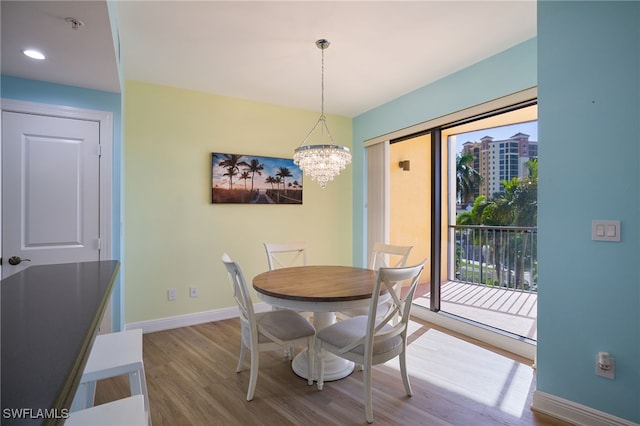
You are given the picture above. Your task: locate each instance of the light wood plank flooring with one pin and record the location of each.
(456, 381)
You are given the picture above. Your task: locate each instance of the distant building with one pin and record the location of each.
(500, 160)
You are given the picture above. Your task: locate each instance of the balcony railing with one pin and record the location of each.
(499, 256)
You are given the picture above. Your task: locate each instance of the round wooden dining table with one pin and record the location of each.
(323, 290)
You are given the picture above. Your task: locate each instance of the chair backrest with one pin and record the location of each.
(400, 305)
(285, 255)
(388, 256)
(241, 294)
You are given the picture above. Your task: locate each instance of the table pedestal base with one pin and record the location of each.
(335, 368)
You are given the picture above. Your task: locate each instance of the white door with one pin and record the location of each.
(51, 175)
(52, 192)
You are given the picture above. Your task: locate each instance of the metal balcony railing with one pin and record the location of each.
(500, 256)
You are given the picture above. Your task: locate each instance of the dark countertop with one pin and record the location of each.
(50, 315)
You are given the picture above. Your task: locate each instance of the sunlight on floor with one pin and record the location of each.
(468, 370)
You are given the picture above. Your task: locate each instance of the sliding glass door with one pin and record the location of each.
(464, 195)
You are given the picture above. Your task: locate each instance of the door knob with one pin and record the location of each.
(15, 260)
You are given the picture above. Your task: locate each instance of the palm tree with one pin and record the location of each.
(525, 197)
(473, 216)
(244, 176)
(254, 167)
(232, 163)
(521, 198)
(231, 172)
(284, 173)
(271, 180)
(516, 206)
(467, 178)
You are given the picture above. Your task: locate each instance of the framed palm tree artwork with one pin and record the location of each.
(251, 179)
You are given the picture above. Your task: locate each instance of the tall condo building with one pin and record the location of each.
(499, 160)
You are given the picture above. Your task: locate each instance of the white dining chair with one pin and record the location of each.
(269, 330)
(369, 341)
(285, 255)
(387, 256)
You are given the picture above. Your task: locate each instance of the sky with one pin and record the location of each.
(271, 166)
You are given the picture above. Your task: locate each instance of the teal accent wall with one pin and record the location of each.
(589, 131)
(57, 94)
(586, 64)
(505, 73)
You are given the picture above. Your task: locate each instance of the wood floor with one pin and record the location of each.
(192, 381)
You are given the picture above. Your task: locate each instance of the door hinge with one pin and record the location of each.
(99, 150)
(99, 243)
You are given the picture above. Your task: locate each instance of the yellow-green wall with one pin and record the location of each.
(174, 236)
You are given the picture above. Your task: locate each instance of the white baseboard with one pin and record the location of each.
(187, 320)
(507, 343)
(574, 413)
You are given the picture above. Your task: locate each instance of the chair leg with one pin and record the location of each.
(255, 360)
(241, 358)
(145, 392)
(403, 372)
(311, 359)
(80, 399)
(134, 383)
(91, 394)
(320, 360)
(368, 403)
(138, 386)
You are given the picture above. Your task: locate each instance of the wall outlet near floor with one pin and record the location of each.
(171, 294)
(193, 291)
(605, 366)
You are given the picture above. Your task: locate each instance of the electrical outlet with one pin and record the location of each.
(193, 291)
(171, 294)
(605, 366)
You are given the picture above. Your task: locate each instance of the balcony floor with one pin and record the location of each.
(509, 310)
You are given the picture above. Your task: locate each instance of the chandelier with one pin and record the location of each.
(322, 162)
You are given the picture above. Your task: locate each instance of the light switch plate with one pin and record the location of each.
(605, 230)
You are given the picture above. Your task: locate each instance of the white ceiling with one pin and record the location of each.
(83, 58)
(265, 50)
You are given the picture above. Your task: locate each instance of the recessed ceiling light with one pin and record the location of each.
(33, 54)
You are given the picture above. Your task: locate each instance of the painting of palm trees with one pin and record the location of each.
(250, 179)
